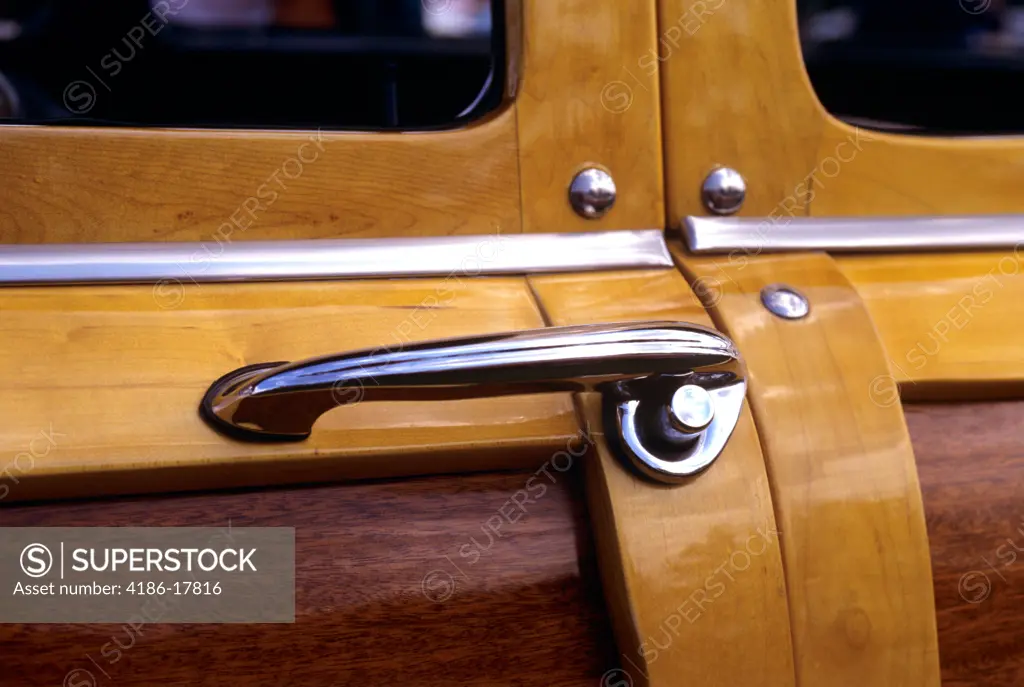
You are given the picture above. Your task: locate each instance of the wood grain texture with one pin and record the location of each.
(947, 320)
(970, 457)
(116, 374)
(581, 105)
(60, 185)
(736, 93)
(526, 611)
(693, 573)
(842, 473)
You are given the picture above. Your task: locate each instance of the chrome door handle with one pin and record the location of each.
(673, 390)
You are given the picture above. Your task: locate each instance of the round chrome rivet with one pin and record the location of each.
(692, 409)
(785, 301)
(592, 193)
(723, 191)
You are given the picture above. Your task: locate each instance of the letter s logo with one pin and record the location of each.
(79, 97)
(36, 560)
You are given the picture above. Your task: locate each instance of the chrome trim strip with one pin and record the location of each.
(494, 254)
(852, 234)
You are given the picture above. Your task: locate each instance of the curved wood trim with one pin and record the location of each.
(692, 573)
(842, 473)
(736, 93)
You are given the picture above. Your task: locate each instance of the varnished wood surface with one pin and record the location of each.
(527, 611)
(582, 105)
(948, 321)
(116, 374)
(843, 478)
(693, 573)
(736, 93)
(733, 93)
(970, 457)
(60, 185)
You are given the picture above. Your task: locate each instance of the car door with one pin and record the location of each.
(878, 150)
(495, 516)
(436, 540)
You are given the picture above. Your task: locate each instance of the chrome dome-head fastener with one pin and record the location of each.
(692, 409)
(785, 302)
(724, 191)
(592, 193)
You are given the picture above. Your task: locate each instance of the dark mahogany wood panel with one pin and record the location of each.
(970, 458)
(386, 592)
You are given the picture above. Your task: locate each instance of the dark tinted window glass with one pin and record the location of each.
(925, 66)
(346, 64)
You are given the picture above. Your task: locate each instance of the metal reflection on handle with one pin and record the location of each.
(672, 390)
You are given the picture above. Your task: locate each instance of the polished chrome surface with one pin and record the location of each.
(860, 234)
(592, 193)
(723, 191)
(641, 446)
(692, 409)
(637, 367)
(184, 263)
(785, 302)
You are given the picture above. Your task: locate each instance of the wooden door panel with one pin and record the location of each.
(361, 591)
(114, 374)
(370, 555)
(383, 596)
(970, 457)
